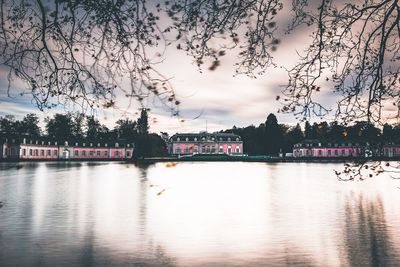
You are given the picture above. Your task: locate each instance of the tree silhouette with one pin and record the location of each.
(142, 122)
(355, 50)
(60, 127)
(273, 135)
(81, 51)
(30, 126)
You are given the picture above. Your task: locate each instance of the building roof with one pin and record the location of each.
(317, 143)
(204, 136)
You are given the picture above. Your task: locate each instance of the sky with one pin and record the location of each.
(213, 99)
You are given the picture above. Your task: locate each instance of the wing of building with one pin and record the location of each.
(205, 143)
(25, 149)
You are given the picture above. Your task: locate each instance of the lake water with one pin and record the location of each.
(195, 214)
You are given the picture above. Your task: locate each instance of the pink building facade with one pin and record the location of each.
(317, 149)
(391, 150)
(41, 150)
(205, 143)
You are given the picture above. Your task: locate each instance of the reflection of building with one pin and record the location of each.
(205, 143)
(315, 148)
(13, 149)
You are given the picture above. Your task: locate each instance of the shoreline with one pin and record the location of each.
(259, 159)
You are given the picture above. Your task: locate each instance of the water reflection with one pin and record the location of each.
(209, 214)
(366, 235)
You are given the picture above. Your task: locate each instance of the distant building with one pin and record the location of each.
(391, 150)
(47, 150)
(205, 143)
(315, 148)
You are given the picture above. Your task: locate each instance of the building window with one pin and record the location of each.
(55, 152)
(221, 149)
(106, 153)
(30, 152)
(48, 152)
(229, 139)
(187, 139)
(76, 153)
(213, 149)
(186, 149)
(178, 139)
(42, 152)
(350, 152)
(98, 153)
(84, 153)
(195, 139)
(24, 152)
(237, 149)
(319, 152)
(36, 152)
(343, 152)
(91, 153)
(178, 150)
(336, 152)
(116, 153)
(128, 154)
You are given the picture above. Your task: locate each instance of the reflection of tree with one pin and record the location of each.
(155, 254)
(366, 237)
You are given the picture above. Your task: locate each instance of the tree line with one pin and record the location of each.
(77, 127)
(270, 137)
